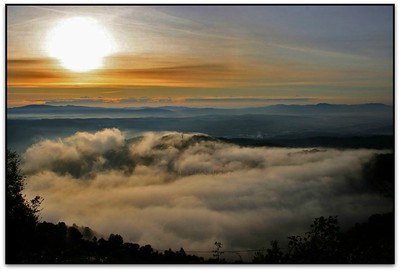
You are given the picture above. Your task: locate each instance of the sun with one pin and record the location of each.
(79, 43)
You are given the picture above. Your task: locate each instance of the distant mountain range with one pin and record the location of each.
(280, 125)
(43, 111)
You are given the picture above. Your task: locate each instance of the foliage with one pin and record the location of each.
(370, 242)
(379, 174)
(61, 244)
(217, 251)
(21, 214)
(320, 244)
(271, 255)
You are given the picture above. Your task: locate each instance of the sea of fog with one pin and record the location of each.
(174, 190)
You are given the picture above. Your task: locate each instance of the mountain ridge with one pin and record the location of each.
(321, 109)
(208, 108)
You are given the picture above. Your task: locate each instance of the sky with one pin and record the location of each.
(204, 56)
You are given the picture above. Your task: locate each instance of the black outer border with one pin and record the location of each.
(394, 126)
(5, 131)
(208, 4)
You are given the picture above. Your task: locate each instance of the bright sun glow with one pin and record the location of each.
(80, 43)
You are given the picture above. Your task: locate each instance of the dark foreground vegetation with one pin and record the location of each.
(371, 242)
(29, 241)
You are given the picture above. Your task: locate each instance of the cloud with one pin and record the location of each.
(15, 75)
(189, 190)
(196, 71)
(81, 154)
(32, 69)
(86, 100)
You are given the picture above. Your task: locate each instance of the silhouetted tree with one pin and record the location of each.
(50, 241)
(21, 214)
(379, 174)
(217, 253)
(369, 242)
(271, 255)
(320, 244)
(74, 235)
(115, 240)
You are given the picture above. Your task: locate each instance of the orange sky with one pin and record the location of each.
(169, 55)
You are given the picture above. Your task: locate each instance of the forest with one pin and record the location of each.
(31, 241)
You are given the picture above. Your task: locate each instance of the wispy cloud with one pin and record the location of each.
(45, 72)
(86, 100)
(34, 70)
(120, 72)
(180, 72)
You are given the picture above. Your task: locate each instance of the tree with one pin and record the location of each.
(115, 240)
(21, 214)
(217, 251)
(372, 242)
(271, 255)
(320, 244)
(379, 174)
